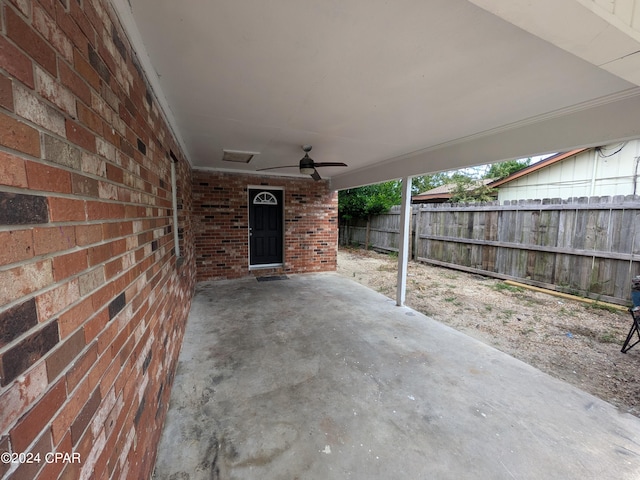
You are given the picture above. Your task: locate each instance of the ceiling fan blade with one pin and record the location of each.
(330, 164)
(315, 175)
(274, 168)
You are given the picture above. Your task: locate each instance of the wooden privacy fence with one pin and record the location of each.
(583, 246)
(380, 232)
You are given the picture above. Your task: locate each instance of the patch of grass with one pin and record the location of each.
(609, 337)
(488, 308)
(527, 295)
(450, 276)
(602, 306)
(508, 313)
(453, 300)
(529, 301)
(503, 287)
(527, 331)
(386, 268)
(532, 299)
(564, 312)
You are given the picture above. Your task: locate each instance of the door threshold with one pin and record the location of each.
(266, 265)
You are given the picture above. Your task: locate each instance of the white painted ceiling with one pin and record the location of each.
(392, 88)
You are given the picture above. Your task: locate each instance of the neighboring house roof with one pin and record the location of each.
(444, 192)
(558, 157)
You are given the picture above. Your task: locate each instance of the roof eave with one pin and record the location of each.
(537, 166)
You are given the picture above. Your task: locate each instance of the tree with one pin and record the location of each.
(362, 202)
(422, 183)
(504, 169)
(467, 189)
(469, 186)
(365, 202)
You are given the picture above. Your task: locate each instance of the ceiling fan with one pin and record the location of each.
(308, 166)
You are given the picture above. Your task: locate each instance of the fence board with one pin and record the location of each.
(589, 246)
(635, 231)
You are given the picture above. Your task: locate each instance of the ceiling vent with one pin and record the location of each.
(238, 156)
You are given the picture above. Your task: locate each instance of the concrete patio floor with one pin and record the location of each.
(318, 377)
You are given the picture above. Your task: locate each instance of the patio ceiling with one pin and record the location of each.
(392, 89)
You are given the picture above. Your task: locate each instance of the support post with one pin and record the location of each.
(403, 250)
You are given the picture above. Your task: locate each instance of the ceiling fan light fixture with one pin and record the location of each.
(306, 164)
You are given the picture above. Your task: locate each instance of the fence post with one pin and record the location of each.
(416, 235)
(367, 232)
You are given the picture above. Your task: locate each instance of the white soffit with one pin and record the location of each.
(608, 38)
(390, 88)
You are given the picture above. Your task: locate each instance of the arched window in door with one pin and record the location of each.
(265, 198)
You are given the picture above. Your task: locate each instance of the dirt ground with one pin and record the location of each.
(568, 339)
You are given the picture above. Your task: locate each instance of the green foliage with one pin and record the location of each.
(469, 190)
(609, 337)
(468, 185)
(501, 287)
(361, 202)
(422, 183)
(602, 306)
(504, 169)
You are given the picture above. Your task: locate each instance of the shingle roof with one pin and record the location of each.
(558, 157)
(444, 191)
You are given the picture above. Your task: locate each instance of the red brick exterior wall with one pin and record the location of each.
(220, 223)
(93, 300)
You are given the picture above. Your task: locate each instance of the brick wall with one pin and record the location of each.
(93, 301)
(220, 223)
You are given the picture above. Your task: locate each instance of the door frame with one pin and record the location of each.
(250, 188)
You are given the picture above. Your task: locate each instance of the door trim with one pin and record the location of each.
(264, 265)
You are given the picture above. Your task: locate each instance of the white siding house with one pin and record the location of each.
(601, 171)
